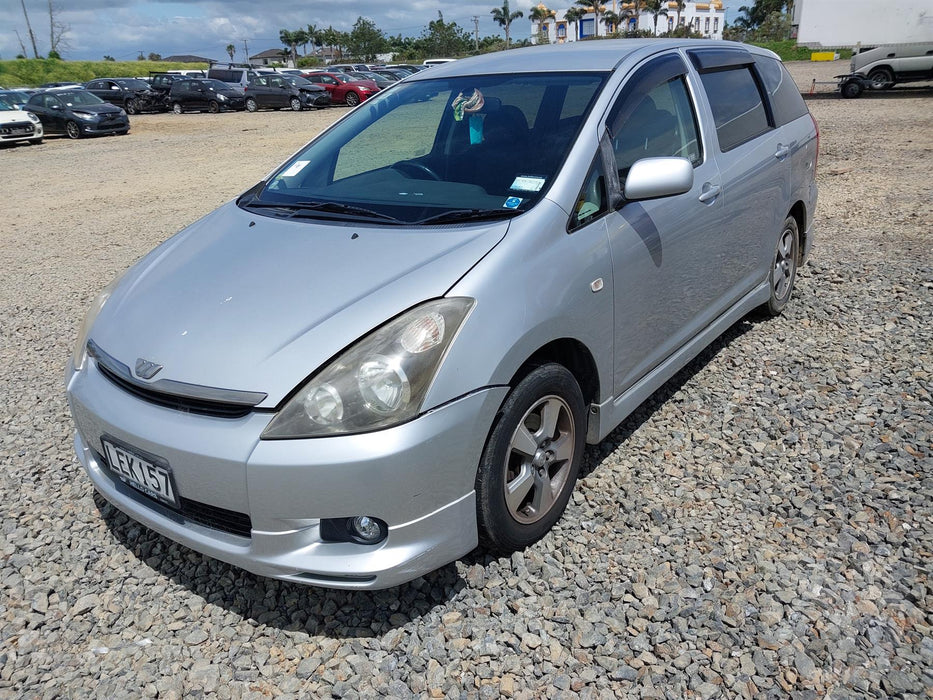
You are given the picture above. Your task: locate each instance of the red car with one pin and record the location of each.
(343, 89)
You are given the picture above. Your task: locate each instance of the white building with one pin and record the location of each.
(706, 18)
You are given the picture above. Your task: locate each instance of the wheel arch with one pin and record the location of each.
(571, 354)
(799, 212)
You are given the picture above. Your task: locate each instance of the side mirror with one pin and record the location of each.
(651, 178)
(56, 106)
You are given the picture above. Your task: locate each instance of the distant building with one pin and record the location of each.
(188, 58)
(706, 18)
(270, 56)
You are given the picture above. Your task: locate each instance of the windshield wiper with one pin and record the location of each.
(468, 215)
(298, 208)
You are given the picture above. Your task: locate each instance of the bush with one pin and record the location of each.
(30, 72)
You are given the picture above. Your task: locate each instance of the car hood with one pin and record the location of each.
(11, 116)
(105, 108)
(312, 88)
(245, 302)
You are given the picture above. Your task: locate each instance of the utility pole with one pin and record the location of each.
(476, 32)
(246, 51)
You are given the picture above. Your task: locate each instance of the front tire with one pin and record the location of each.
(783, 272)
(36, 142)
(132, 107)
(73, 130)
(251, 104)
(295, 104)
(176, 108)
(881, 79)
(851, 89)
(531, 460)
(352, 99)
(213, 107)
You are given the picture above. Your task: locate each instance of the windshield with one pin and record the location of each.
(478, 146)
(212, 84)
(79, 97)
(297, 80)
(6, 103)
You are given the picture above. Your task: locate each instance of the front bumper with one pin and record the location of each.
(11, 132)
(111, 126)
(417, 477)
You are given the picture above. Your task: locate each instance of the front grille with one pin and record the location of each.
(217, 518)
(214, 517)
(15, 129)
(201, 407)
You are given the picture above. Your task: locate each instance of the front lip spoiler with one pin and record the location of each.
(174, 388)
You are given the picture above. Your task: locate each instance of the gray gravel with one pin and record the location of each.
(761, 527)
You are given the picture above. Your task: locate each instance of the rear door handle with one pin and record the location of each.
(710, 194)
(781, 152)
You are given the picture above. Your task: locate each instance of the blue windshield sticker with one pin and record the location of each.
(512, 203)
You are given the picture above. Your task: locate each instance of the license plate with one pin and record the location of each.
(144, 472)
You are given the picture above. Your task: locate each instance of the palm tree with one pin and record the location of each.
(231, 51)
(612, 21)
(540, 14)
(313, 37)
(574, 15)
(288, 39)
(594, 6)
(656, 8)
(681, 6)
(504, 17)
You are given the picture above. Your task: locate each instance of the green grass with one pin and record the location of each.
(30, 72)
(789, 51)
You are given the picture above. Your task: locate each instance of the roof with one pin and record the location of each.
(270, 53)
(602, 55)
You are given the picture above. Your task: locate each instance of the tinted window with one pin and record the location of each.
(786, 102)
(654, 116)
(737, 107)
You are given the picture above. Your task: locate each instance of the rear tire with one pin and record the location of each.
(352, 99)
(531, 460)
(73, 130)
(783, 271)
(132, 107)
(295, 104)
(176, 108)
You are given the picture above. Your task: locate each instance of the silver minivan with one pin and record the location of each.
(396, 346)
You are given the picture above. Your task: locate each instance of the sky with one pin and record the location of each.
(124, 28)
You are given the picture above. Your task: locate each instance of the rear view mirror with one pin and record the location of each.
(650, 178)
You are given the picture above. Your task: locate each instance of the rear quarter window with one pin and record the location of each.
(786, 102)
(736, 101)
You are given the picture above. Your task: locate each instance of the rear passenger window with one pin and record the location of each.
(786, 102)
(738, 111)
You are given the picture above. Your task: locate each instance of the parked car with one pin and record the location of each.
(392, 73)
(342, 88)
(199, 94)
(280, 91)
(382, 81)
(161, 85)
(16, 125)
(66, 85)
(886, 66)
(397, 344)
(344, 67)
(77, 113)
(234, 76)
(17, 98)
(133, 95)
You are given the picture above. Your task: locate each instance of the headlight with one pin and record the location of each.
(33, 117)
(378, 382)
(85, 115)
(79, 356)
(222, 98)
(122, 112)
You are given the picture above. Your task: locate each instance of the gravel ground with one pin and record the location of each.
(761, 527)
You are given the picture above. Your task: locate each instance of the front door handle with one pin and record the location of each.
(710, 194)
(781, 152)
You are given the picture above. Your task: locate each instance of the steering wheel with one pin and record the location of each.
(416, 169)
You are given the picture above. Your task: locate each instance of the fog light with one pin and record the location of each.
(367, 529)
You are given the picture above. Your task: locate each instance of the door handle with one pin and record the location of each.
(781, 152)
(710, 194)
